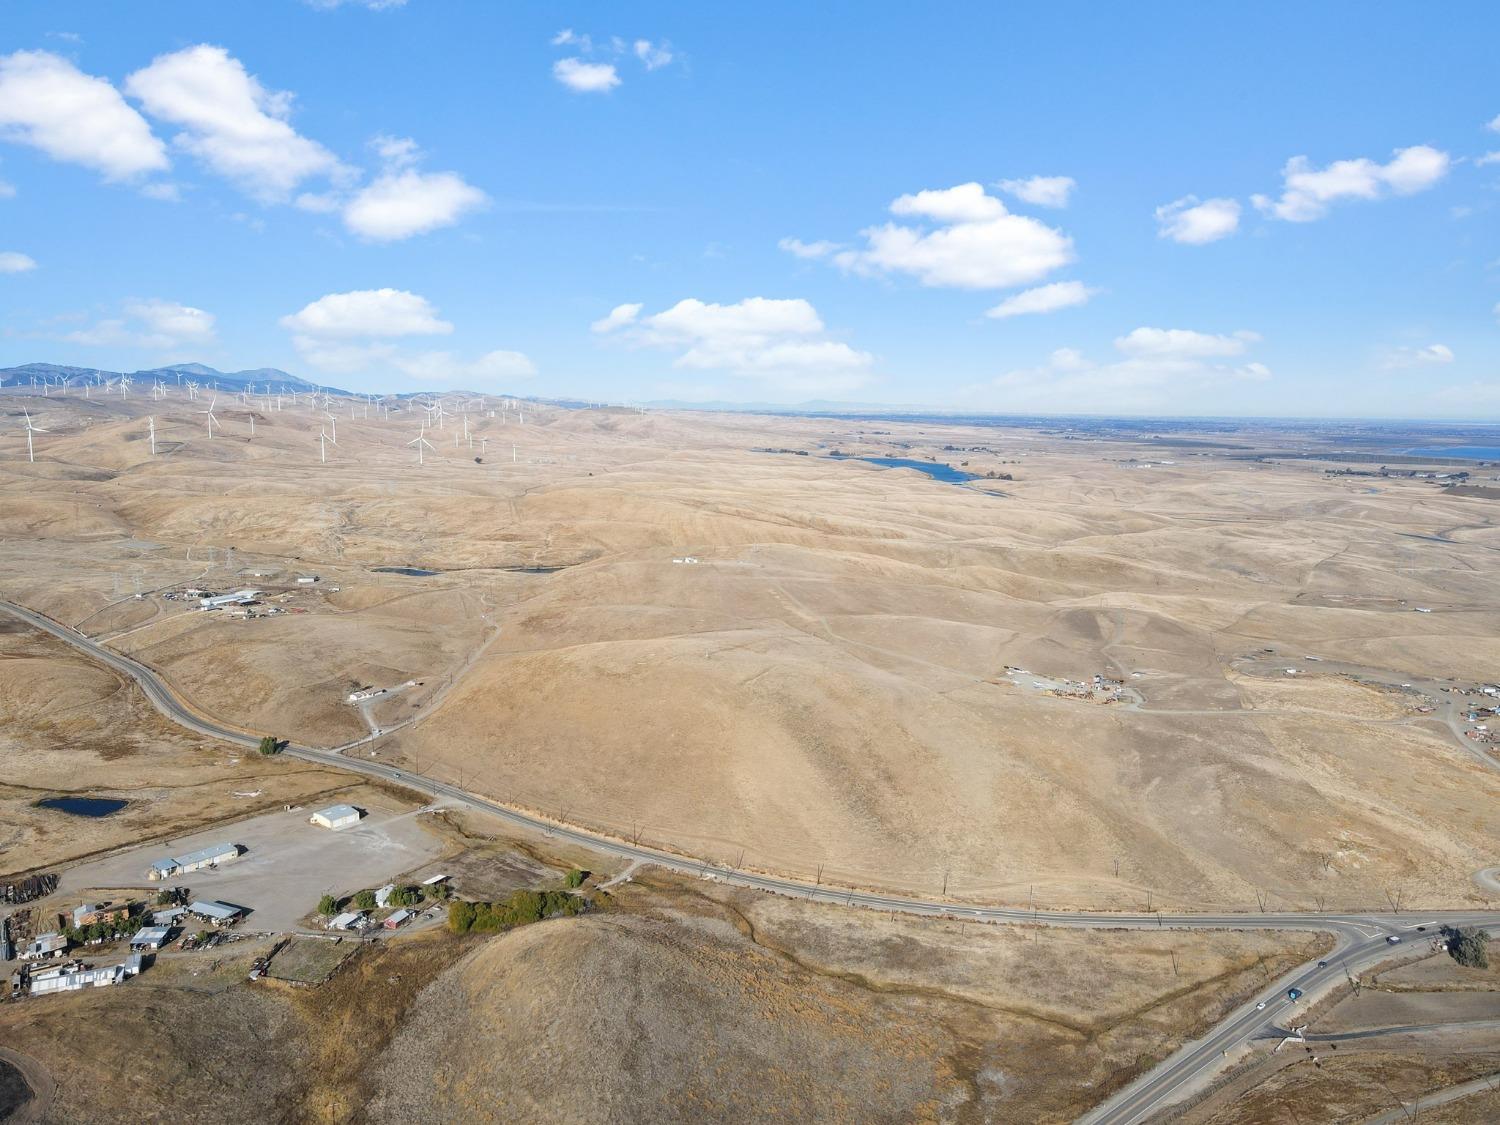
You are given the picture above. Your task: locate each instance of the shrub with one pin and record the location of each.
(328, 906)
(576, 877)
(521, 909)
(365, 899)
(404, 896)
(1467, 947)
(269, 744)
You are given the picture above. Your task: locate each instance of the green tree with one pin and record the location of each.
(365, 899)
(1468, 947)
(164, 898)
(270, 744)
(328, 906)
(576, 877)
(460, 917)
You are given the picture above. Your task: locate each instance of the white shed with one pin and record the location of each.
(336, 816)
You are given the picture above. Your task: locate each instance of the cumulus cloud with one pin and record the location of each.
(1196, 221)
(1042, 191)
(403, 201)
(969, 241)
(1428, 356)
(1043, 299)
(230, 122)
(149, 323)
(1157, 368)
(1308, 192)
(1182, 343)
(354, 332)
(48, 103)
(585, 77)
(619, 317)
(780, 341)
(808, 250)
(367, 312)
(13, 261)
(653, 56)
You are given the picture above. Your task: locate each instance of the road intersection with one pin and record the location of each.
(1361, 940)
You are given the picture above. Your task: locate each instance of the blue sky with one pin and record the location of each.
(1283, 210)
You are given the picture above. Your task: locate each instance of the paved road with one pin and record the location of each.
(1360, 938)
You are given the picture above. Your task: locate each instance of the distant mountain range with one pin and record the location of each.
(256, 378)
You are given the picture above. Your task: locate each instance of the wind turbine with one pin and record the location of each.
(212, 418)
(152, 423)
(419, 441)
(322, 445)
(31, 428)
(124, 385)
(334, 423)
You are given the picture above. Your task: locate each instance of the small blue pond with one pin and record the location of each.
(412, 571)
(83, 806)
(936, 470)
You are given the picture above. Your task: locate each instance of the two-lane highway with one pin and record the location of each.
(1360, 939)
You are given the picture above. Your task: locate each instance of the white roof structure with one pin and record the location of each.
(215, 911)
(383, 896)
(151, 937)
(347, 920)
(337, 815)
(433, 879)
(400, 917)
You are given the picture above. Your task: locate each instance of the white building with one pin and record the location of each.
(150, 937)
(336, 816)
(219, 913)
(239, 597)
(349, 920)
(45, 946)
(306, 579)
(383, 895)
(211, 856)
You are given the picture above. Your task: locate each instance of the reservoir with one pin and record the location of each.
(935, 469)
(83, 806)
(411, 571)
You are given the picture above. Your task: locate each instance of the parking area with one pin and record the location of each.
(287, 866)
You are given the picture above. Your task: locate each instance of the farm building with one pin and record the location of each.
(89, 913)
(150, 937)
(219, 913)
(399, 919)
(211, 856)
(336, 816)
(45, 946)
(349, 920)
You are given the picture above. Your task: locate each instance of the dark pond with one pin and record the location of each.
(935, 469)
(83, 806)
(414, 572)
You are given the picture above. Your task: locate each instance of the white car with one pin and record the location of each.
(1261, 1007)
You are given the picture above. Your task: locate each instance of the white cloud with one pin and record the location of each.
(977, 243)
(568, 38)
(1196, 221)
(619, 317)
(230, 121)
(154, 323)
(1428, 356)
(373, 5)
(1042, 191)
(367, 313)
(1043, 299)
(13, 261)
(808, 250)
(350, 333)
(1308, 192)
(1154, 374)
(653, 55)
(48, 103)
(585, 77)
(7, 190)
(1494, 125)
(1182, 343)
(1487, 158)
(782, 342)
(444, 367)
(399, 204)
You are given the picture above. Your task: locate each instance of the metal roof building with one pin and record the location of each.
(151, 937)
(210, 856)
(399, 918)
(336, 816)
(215, 911)
(347, 920)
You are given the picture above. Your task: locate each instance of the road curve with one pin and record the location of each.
(1360, 939)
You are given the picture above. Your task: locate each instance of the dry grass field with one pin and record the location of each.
(680, 1002)
(820, 688)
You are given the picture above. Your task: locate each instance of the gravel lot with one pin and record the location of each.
(289, 863)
